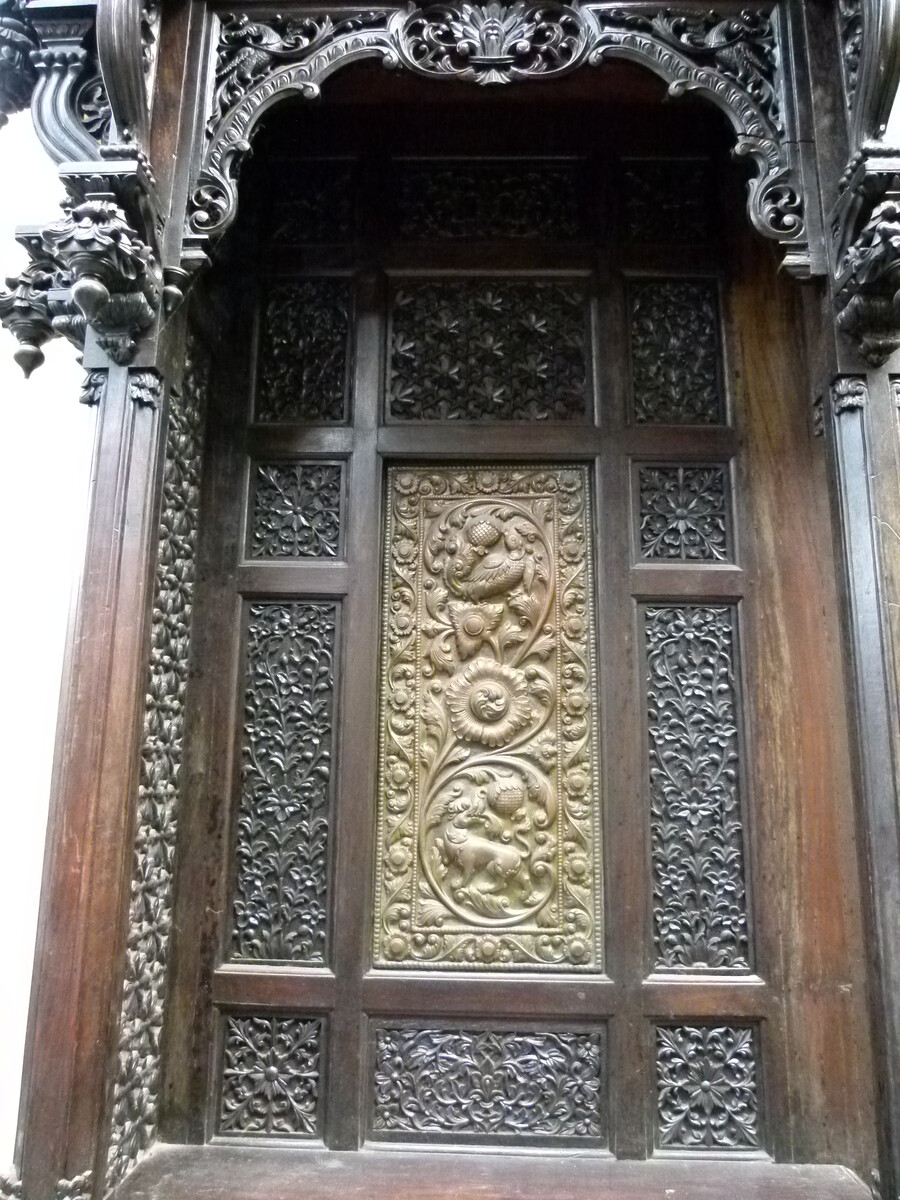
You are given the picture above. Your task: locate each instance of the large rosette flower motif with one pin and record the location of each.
(488, 702)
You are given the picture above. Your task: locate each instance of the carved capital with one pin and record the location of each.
(849, 393)
(93, 388)
(17, 74)
(866, 254)
(732, 60)
(145, 388)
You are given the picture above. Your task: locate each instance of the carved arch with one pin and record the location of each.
(732, 60)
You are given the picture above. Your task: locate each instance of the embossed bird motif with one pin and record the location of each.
(492, 561)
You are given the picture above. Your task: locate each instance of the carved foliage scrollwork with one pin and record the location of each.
(488, 809)
(731, 59)
(484, 1083)
(489, 351)
(302, 373)
(296, 510)
(848, 393)
(683, 513)
(270, 1077)
(136, 1093)
(707, 1088)
(699, 891)
(280, 896)
(850, 28)
(675, 352)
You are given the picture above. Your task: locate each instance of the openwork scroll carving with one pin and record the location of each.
(488, 806)
(706, 1081)
(302, 375)
(280, 901)
(675, 352)
(732, 60)
(488, 201)
(296, 510)
(136, 1096)
(489, 351)
(270, 1077)
(699, 893)
(683, 513)
(468, 1084)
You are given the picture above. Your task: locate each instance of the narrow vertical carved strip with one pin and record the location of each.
(136, 1094)
(699, 894)
(280, 902)
(707, 1088)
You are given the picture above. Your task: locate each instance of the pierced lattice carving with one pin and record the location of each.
(491, 350)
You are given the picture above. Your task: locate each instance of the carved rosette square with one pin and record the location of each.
(683, 512)
(296, 510)
(270, 1077)
(707, 1088)
(450, 1084)
(488, 840)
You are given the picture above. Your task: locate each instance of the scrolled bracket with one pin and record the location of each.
(61, 63)
(733, 60)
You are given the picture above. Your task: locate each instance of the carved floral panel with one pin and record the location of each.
(667, 200)
(675, 354)
(303, 351)
(699, 893)
(296, 510)
(443, 1084)
(488, 806)
(683, 513)
(489, 350)
(270, 1077)
(707, 1088)
(281, 853)
(488, 201)
(321, 210)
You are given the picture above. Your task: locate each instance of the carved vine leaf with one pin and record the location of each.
(487, 845)
(451, 1083)
(675, 352)
(136, 1094)
(492, 351)
(280, 901)
(296, 510)
(699, 893)
(706, 1081)
(683, 513)
(270, 1077)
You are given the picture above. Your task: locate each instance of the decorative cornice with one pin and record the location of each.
(849, 393)
(732, 60)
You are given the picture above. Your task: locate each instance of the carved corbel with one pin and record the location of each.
(17, 74)
(61, 62)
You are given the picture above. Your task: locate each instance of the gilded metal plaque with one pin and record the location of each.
(488, 807)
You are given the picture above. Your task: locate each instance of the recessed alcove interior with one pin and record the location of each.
(806, 990)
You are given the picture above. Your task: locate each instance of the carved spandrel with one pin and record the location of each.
(488, 844)
(675, 352)
(488, 201)
(683, 513)
(489, 351)
(707, 1088)
(280, 909)
(270, 1077)
(440, 1083)
(667, 201)
(303, 352)
(296, 510)
(697, 850)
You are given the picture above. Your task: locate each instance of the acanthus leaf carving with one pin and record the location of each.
(733, 60)
(849, 393)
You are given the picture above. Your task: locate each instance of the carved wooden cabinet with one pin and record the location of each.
(491, 787)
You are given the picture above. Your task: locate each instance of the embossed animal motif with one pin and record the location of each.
(488, 558)
(475, 835)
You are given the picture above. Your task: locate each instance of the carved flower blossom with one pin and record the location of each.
(473, 625)
(488, 702)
